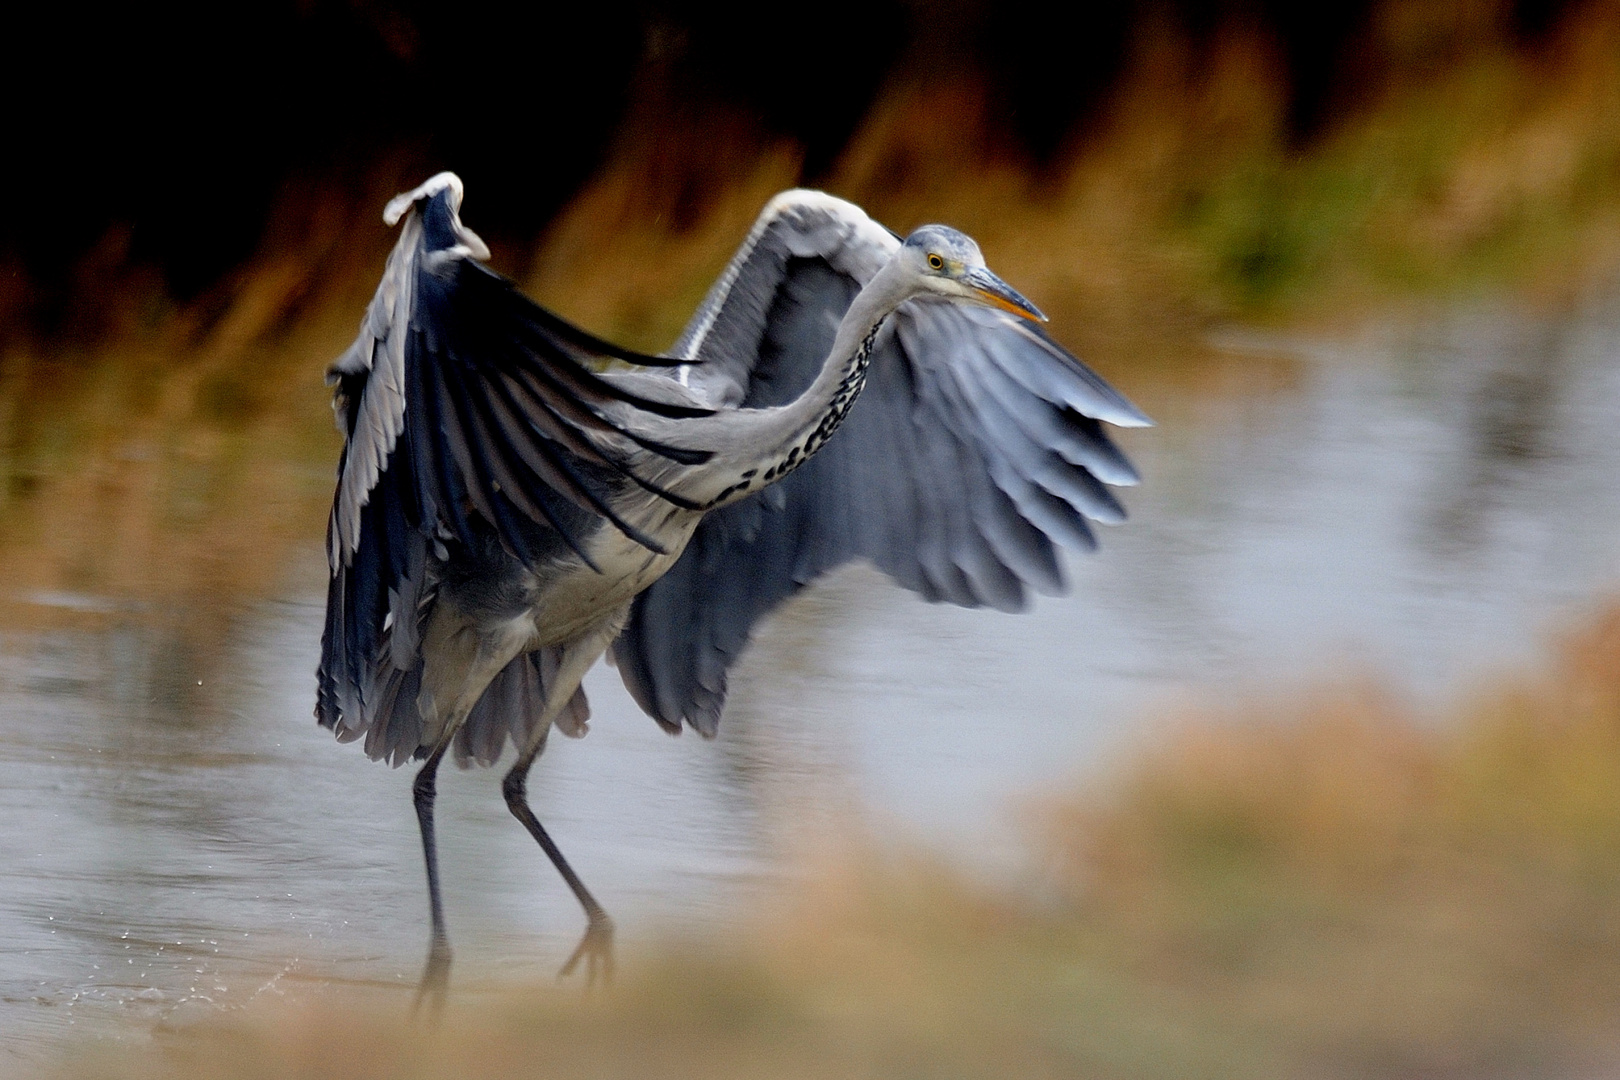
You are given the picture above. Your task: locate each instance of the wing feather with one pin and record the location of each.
(976, 448)
(466, 409)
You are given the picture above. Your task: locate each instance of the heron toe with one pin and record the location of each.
(596, 949)
(435, 984)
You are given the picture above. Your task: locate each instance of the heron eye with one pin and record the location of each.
(935, 262)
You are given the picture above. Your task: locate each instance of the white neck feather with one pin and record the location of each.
(764, 445)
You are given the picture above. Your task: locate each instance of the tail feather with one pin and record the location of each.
(395, 733)
(513, 705)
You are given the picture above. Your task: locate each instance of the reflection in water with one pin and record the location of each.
(1508, 418)
(1417, 503)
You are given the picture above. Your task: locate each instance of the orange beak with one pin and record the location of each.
(998, 294)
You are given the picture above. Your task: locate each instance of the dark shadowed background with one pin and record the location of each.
(163, 136)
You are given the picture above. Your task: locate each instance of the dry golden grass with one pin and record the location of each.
(1467, 162)
(1395, 897)
(1318, 886)
(178, 456)
(167, 466)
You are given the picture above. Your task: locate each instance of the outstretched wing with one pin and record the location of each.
(469, 412)
(977, 443)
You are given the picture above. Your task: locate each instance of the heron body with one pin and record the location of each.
(517, 497)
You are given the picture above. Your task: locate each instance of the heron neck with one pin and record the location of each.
(789, 435)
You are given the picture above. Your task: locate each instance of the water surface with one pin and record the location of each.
(1421, 502)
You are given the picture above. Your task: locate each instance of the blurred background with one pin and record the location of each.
(1315, 773)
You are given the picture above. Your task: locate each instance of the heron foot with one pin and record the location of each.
(435, 984)
(596, 949)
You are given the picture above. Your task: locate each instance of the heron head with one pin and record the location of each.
(948, 263)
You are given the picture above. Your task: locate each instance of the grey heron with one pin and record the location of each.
(516, 497)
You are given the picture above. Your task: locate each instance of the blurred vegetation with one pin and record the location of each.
(1313, 886)
(1466, 161)
(1318, 886)
(163, 434)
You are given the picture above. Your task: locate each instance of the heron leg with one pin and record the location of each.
(596, 947)
(436, 977)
